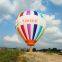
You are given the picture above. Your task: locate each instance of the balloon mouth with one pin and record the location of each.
(30, 42)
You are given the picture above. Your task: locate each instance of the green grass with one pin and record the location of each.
(9, 55)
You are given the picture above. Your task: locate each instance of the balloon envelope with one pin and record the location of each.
(30, 25)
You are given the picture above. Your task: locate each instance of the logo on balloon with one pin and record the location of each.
(30, 26)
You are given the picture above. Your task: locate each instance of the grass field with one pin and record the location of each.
(15, 55)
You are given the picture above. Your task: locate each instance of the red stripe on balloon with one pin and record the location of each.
(23, 30)
(21, 14)
(18, 29)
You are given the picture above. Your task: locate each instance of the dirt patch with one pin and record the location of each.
(39, 57)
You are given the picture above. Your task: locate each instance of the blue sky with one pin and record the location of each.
(9, 9)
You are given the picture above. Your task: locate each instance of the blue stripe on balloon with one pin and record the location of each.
(32, 28)
(35, 13)
(34, 31)
(39, 30)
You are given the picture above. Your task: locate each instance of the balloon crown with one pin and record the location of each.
(29, 12)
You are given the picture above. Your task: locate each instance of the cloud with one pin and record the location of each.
(13, 38)
(7, 9)
(10, 8)
(5, 17)
(58, 41)
(37, 5)
(53, 32)
(57, 2)
(13, 41)
(7, 5)
(50, 20)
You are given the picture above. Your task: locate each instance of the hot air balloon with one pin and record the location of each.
(30, 26)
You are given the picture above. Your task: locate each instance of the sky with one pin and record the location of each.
(9, 10)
